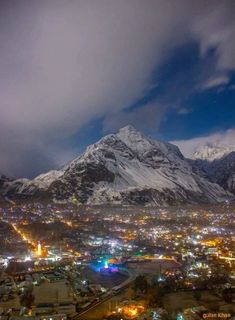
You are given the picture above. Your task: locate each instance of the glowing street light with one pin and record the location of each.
(39, 249)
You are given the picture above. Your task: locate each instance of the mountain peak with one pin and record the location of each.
(134, 139)
(128, 128)
(212, 151)
(126, 167)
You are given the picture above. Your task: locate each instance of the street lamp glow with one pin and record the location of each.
(39, 249)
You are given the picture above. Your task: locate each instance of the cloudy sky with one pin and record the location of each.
(74, 70)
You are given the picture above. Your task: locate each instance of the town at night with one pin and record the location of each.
(129, 262)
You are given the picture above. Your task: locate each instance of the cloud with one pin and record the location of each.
(63, 63)
(215, 31)
(216, 82)
(145, 118)
(184, 111)
(187, 147)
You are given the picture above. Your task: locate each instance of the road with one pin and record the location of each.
(108, 303)
(100, 308)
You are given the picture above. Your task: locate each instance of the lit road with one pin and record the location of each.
(227, 258)
(23, 236)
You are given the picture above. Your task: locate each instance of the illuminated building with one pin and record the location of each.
(39, 249)
(131, 311)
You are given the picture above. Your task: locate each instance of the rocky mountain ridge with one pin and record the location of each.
(124, 168)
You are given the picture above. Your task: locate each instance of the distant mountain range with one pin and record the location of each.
(216, 162)
(129, 168)
(212, 151)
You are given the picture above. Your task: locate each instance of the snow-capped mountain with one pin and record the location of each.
(29, 187)
(212, 151)
(223, 172)
(126, 167)
(220, 171)
(216, 162)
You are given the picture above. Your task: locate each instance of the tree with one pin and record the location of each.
(27, 299)
(152, 295)
(227, 295)
(197, 295)
(141, 283)
(130, 293)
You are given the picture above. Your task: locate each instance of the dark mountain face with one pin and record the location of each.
(224, 172)
(220, 171)
(126, 167)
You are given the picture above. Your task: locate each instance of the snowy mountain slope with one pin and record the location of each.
(44, 180)
(29, 187)
(223, 172)
(220, 171)
(216, 162)
(128, 167)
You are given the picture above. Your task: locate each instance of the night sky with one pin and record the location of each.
(73, 71)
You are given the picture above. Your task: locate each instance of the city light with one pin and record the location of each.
(39, 249)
